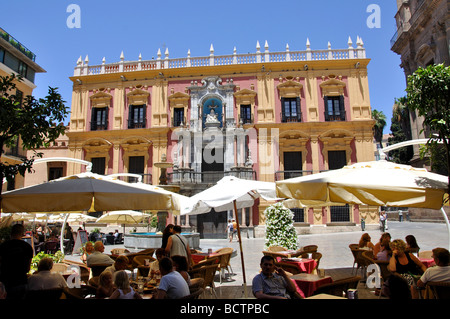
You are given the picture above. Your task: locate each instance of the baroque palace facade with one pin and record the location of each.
(263, 116)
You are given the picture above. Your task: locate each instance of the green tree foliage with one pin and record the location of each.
(401, 131)
(280, 229)
(428, 93)
(36, 122)
(378, 128)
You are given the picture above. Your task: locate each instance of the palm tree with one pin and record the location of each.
(378, 128)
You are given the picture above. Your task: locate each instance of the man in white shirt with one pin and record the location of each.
(98, 257)
(44, 279)
(172, 285)
(440, 272)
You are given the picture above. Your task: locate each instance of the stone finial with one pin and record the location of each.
(350, 42)
(140, 57)
(258, 47)
(211, 49)
(103, 60)
(122, 57)
(308, 44)
(159, 53)
(86, 60)
(287, 47)
(266, 46)
(167, 53)
(80, 61)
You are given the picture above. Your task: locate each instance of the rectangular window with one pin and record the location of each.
(292, 164)
(336, 159)
(2, 55)
(55, 173)
(99, 119)
(98, 165)
(136, 117)
(246, 114)
(290, 111)
(136, 165)
(22, 70)
(334, 108)
(178, 116)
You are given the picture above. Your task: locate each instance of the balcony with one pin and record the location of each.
(19, 46)
(137, 123)
(335, 117)
(83, 69)
(188, 176)
(291, 118)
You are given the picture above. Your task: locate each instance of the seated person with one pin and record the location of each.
(272, 282)
(172, 285)
(154, 265)
(121, 263)
(123, 288)
(44, 279)
(98, 257)
(365, 242)
(180, 264)
(88, 249)
(105, 285)
(385, 251)
(440, 272)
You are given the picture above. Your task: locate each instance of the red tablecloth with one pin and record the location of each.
(308, 283)
(428, 262)
(198, 257)
(304, 264)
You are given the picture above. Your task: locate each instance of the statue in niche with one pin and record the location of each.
(212, 117)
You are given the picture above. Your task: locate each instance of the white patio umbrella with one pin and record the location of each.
(122, 217)
(83, 191)
(377, 183)
(230, 193)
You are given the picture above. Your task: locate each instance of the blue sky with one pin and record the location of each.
(109, 27)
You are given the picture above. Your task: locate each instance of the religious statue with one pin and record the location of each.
(212, 117)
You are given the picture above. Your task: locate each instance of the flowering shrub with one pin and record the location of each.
(280, 229)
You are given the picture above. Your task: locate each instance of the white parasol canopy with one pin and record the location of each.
(230, 193)
(377, 183)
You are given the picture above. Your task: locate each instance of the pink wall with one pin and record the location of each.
(278, 100)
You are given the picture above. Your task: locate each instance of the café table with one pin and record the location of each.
(308, 283)
(428, 262)
(325, 296)
(306, 265)
(198, 257)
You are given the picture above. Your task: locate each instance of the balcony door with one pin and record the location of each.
(292, 164)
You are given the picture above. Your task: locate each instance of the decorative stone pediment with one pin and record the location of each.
(290, 89)
(332, 87)
(293, 138)
(138, 97)
(100, 99)
(245, 96)
(179, 99)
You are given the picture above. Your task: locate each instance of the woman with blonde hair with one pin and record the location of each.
(123, 288)
(405, 264)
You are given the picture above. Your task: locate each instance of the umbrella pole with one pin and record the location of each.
(61, 239)
(448, 225)
(240, 247)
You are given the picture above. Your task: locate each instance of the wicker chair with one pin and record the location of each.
(119, 251)
(339, 287)
(358, 259)
(309, 249)
(289, 268)
(60, 267)
(85, 271)
(83, 292)
(139, 261)
(207, 273)
(275, 255)
(437, 290)
(195, 294)
(224, 255)
(276, 248)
